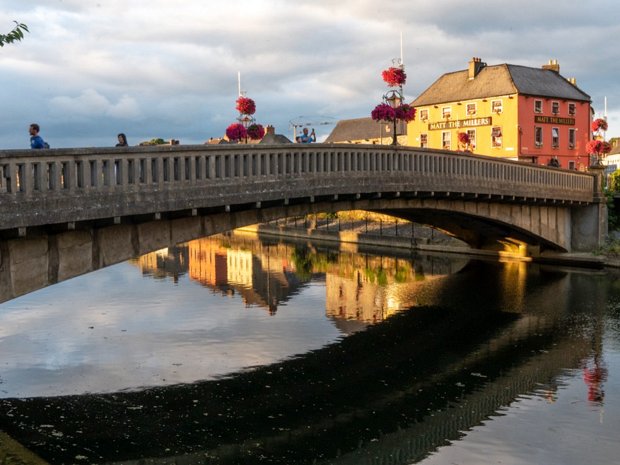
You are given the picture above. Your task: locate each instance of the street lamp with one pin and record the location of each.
(394, 98)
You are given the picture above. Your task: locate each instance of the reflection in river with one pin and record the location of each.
(229, 350)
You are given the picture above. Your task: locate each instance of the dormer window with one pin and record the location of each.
(496, 106)
(555, 108)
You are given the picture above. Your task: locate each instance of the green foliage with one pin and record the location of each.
(155, 141)
(15, 35)
(613, 183)
(613, 217)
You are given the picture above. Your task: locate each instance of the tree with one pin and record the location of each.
(16, 34)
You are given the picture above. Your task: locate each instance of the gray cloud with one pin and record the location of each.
(90, 69)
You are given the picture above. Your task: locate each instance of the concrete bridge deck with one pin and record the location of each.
(479, 199)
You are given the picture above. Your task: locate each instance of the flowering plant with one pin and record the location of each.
(255, 131)
(236, 131)
(246, 106)
(463, 138)
(598, 147)
(405, 112)
(599, 124)
(383, 112)
(394, 77)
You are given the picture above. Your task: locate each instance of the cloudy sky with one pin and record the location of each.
(90, 69)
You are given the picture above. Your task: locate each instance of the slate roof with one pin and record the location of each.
(357, 129)
(498, 80)
(275, 139)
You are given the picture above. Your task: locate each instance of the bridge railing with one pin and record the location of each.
(89, 183)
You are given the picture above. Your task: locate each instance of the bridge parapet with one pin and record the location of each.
(71, 185)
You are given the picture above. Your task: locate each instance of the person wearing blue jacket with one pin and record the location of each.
(36, 141)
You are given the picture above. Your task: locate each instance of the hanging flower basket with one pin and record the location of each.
(256, 131)
(246, 106)
(394, 77)
(405, 112)
(383, 112)
(236, 132)
(599, 124)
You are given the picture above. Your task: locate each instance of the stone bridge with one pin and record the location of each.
(486, 202)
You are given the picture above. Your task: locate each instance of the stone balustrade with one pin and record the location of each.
(42, 187)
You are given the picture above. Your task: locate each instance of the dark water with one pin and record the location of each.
(233, 351)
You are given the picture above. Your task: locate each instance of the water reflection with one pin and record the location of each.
(477, 338)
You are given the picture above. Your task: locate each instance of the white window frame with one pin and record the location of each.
(446, 112)
(424, 140)
(424, 114)
(497, 141)
(572, 138)
(497, 106)
(538, 106)
(555, 107)
(471, 109)
(572, 109)
(538, 141)
(572, 165)
(446, 136)
(555, 138)
(472, 138)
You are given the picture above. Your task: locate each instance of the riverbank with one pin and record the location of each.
(411, 237)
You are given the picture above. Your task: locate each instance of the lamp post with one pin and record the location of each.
(394, 99)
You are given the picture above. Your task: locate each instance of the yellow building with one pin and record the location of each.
(506, 111)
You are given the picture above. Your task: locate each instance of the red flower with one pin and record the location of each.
(394, 77)
(463, 138)
(405, 112)
(599, 124)
(236, 131)
(256, 131)
(606, 148)
(383, 112)
(594, 147)
(246, 106)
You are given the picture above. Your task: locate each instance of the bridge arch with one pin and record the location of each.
(482, 200)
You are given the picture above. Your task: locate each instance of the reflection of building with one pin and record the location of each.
(169, 262)
(260, 274)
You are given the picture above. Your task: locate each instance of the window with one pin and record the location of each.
(571, 138)
(555, 107)
(471, 109)
(472, 138)
(571, 165)
(445, 140)
(537, 106)
(538, 136)
(424, 115)
(496, 106)
(423, 140)
(555, 138)
(446, 112)
(572, 109)
(496, 136)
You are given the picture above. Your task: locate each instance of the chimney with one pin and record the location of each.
(572, 80)
(475, 66)
(553, 65)
(270, 130)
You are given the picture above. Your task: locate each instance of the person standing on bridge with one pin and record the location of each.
(36, 141)
(306, 138)
(122, 140)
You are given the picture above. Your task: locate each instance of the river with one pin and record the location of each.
(234, 350)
